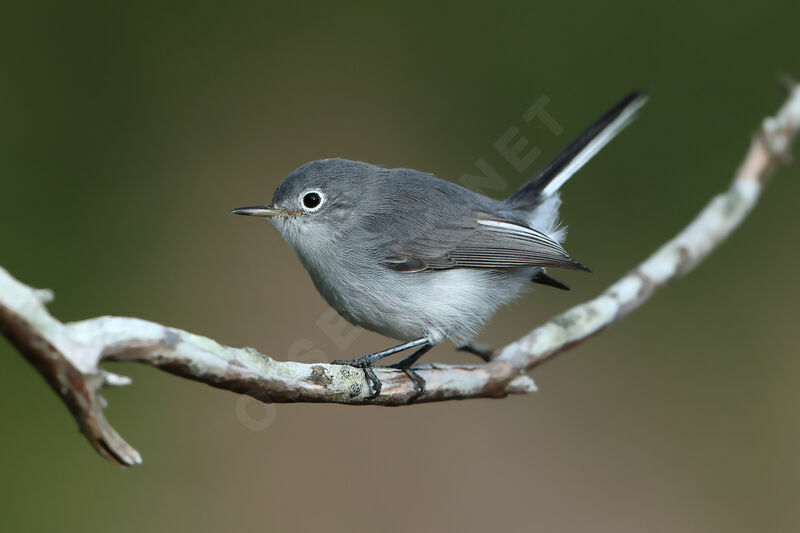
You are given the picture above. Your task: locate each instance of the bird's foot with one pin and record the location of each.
(374, 384)
(365, 363)
(358, 362)
(416, 379)
(483, 351)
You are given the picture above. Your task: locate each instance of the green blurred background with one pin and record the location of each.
(128, 132)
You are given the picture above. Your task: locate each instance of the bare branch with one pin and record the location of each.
(769, 148)
(68, 355)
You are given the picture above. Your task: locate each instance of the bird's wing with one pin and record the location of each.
(487, 242)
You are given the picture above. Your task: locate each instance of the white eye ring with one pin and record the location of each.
(312, 200)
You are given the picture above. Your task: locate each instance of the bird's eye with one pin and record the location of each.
(312, 200)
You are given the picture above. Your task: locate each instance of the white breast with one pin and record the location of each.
(434, 304)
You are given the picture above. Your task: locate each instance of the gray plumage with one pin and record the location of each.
(405, 254)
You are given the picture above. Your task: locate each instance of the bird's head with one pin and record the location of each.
(318, 202)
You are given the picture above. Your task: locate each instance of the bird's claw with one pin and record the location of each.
(483, 351)
(416, 380)
(374, 384)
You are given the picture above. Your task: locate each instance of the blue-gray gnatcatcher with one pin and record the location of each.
(405, 254)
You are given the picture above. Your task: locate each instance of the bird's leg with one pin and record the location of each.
(377, 356)
(405, 366)
(365, 362)
(481, 350)
(411, 359)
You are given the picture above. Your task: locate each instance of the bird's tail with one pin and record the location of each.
(554, 174)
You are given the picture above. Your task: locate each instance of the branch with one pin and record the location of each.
(769, 149)
(69, 355)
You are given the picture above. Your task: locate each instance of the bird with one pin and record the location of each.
(419, 259)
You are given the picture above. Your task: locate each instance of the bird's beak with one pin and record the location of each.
(266, 211)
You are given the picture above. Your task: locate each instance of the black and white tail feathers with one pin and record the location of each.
(538, 193)
(549, 179)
